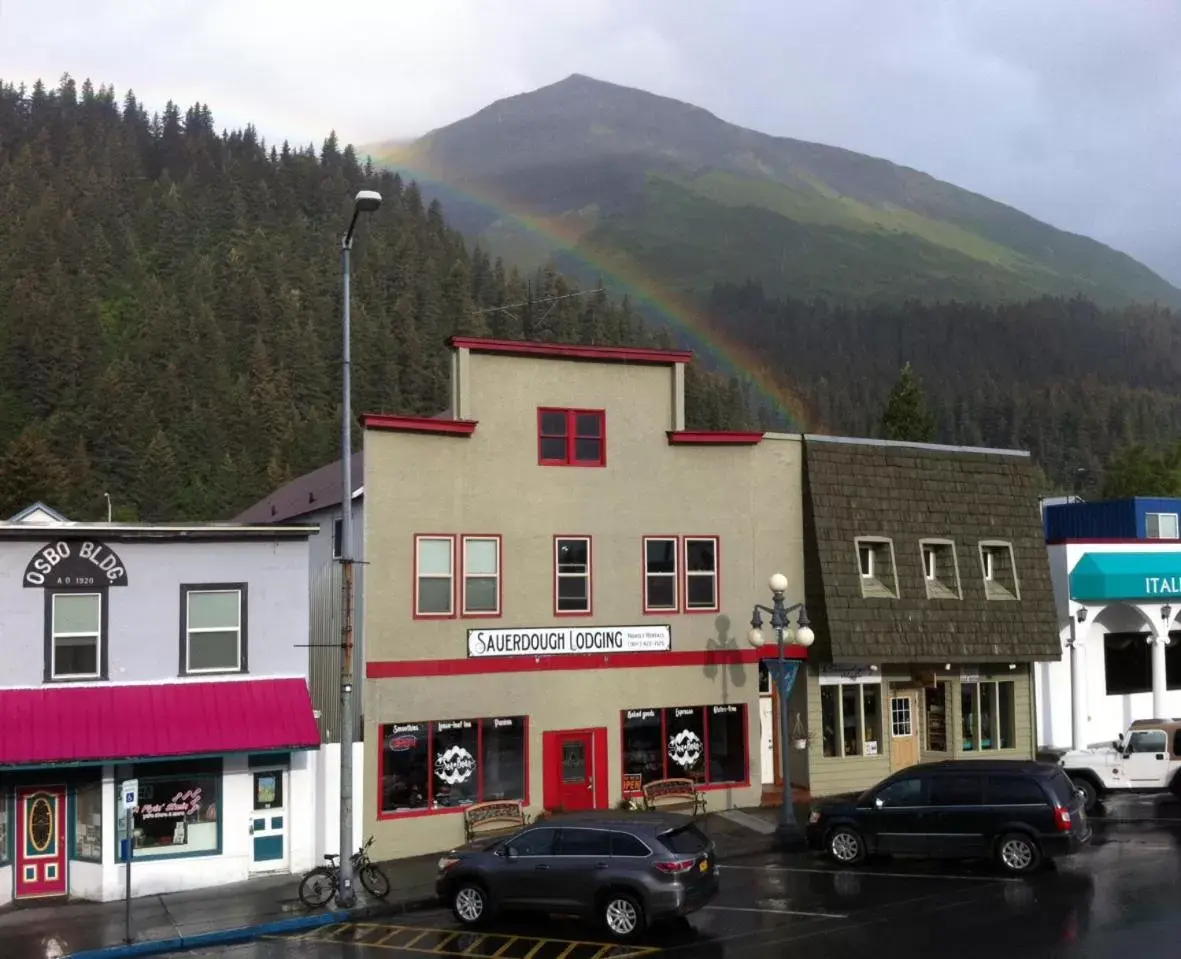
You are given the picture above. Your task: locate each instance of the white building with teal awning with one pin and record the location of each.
(1119, 603)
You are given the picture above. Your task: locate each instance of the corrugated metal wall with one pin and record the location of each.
(324, 652)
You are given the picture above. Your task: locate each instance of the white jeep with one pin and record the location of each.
(1147, 759)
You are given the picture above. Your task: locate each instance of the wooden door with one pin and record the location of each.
(904, 730)
(576, 776)
(41, 842)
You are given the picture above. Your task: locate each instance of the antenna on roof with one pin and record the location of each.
(108, 496)
(551, 300)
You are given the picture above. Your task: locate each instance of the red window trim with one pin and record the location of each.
(572, 415)
(686, 608)
(463, 610)
(430, 734)
(676, 575)
(713, 438)
(590, 575)
(415, 613)
(417, 424)
(616, 354)
(706, 785)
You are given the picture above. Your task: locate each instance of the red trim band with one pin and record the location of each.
(1113, 541)
(417, 424)
(713, 438)
(406, 668)
(569, 351)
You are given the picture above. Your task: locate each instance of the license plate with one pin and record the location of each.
(704, 867)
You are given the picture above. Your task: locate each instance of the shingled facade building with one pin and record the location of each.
(927, 583)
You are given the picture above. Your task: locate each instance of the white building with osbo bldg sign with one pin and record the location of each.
(173, 657)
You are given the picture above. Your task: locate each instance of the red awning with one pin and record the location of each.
(83, 724)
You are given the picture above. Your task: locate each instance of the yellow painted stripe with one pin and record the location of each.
(536, 948)
(570, 948)
(503, 949)
(468, 950)
(421, 935)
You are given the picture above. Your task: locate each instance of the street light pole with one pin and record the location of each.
(366, 201)
(787, 831)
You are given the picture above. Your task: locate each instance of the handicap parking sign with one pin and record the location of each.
(130, 791)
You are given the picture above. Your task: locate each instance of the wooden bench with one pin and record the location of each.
(673, 794)
(492, 818)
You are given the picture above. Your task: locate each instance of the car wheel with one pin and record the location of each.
(846, 846)
(623, 915)
(1090, 793)
(1018, 854)
(469, 903)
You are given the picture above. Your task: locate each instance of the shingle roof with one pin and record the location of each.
(319, 489)
(909, 492)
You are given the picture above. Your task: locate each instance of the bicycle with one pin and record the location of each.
(319, 884)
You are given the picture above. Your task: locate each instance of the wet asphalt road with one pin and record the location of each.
(1120, 898)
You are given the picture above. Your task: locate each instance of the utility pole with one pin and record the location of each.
(366, 201)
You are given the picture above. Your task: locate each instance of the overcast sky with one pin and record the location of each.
(1067, 109)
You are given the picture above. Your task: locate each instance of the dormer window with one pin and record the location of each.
(571, 437)
(999, 570)
(941, 571)
(875, 566)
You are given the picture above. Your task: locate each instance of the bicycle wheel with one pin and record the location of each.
(317, 887)
(374, 880)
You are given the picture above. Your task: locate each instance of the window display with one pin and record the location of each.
(3, 830)
(88, 823)
(177, 815)
(850, 718)
(452, 763)
(707, 744)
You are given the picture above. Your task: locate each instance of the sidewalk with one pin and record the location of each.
(249, 910)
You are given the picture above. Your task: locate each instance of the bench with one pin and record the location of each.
(493, 818)
(673, 794)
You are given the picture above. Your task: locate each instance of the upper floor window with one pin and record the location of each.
(701, 574)
(337, 537)
(875, 566)
(571, 437)
(75, 637)
(940, 570)
(1161, 525)
(1000, 572)
(213, 639)
(481, 576)
(660, 574)
(572, 575)
(434, 576)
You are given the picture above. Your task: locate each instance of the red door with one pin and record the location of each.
(41, 842)
(576, 782)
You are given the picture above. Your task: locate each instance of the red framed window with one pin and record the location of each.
(571, 437)
(573, 588)
(707, 744)
(434, 576)
(661, 574)
(702, 580)
(480, 564)
(446, 765)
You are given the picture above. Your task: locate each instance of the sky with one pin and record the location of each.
(1067, 109)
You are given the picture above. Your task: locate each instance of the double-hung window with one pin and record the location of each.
(76, 636)
(481, 576)
(701, 574)
(214, 636)
(661, 585)
(571, 437)
(434, 576)
(572, 575)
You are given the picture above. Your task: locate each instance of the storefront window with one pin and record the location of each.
(935, 704)
(3, 829)
(989, 715)
(452, 763)
(88, 823)
(177, 815)
(1007, 713)
(969, 694)
(851, 718)
(707, 744)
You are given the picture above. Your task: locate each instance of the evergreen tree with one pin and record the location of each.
(906, 416)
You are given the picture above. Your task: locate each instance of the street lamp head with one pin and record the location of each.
(804, 636)
(755, 637)
(366, 201)
(778, 583)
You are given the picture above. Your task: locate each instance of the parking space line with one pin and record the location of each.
(503, 949)
(415, 939)
(536, 948)
(876, 875)
(780, 912)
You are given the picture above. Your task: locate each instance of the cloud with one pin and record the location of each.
(1067, 109)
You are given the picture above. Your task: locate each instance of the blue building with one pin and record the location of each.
(1141, 517)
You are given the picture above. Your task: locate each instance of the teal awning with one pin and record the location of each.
(1099, 577)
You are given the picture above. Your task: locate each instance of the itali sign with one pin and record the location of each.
(1141, 575)
(74, 563)
(568, 640)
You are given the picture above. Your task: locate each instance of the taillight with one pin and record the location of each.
(1062, 819)
(675, 865)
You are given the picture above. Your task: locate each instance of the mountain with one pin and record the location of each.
(170, 307)
(621, 182)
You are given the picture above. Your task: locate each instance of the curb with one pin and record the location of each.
(222, 937)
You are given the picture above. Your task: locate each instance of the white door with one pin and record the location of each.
(767, 730)
(1146, 765)
(268, 820)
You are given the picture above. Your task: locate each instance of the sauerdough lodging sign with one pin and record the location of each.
(567, 640)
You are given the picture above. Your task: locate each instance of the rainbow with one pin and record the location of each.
(676, 309)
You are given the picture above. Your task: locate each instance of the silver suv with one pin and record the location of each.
(625, 872)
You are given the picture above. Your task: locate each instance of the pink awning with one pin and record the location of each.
(83, 724)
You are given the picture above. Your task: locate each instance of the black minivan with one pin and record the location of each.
(1017, 812)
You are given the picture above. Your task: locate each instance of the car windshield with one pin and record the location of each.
(685, 840)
